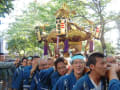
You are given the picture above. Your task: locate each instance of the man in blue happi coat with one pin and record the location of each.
(36, 79)
(93, 80)
(61, 70)
(17, 72)
(67, 82)
(45, 78)
(26, 75)
(114, 82)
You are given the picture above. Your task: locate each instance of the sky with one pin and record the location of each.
(18, 7)
(22, 4)
(112, 36)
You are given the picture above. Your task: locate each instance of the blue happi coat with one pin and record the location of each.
(66, 82)
(84, 83)
(114, 84)
(41, 80)
(24, 78)
(15, 79)
(53, 78)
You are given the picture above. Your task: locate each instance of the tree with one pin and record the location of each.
(109, 48)
(5, 7)
(99, 9)
(37, 14)
(101, 17)
(23, 29)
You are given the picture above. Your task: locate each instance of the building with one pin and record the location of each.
(3, 48)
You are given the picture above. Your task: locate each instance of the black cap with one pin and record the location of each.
(1, 53)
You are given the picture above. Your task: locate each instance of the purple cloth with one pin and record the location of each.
(91, 46)
(66, 46)
(45, 49)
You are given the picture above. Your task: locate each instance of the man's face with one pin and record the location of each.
(24, 62)
(35, 60)
(78, 66)
(29, 62)
(111, 60)
(50, 63)
(61, 68)
(2, 57)
(43, 65)
(100, 67)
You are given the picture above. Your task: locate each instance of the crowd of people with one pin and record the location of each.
(95, 72)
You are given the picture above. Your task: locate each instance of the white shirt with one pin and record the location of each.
(97, 87)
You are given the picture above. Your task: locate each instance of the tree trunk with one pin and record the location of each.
(102, 39)
(99, 10)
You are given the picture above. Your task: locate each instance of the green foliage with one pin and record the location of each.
(109, 48)
(23, 28)
(5, 7)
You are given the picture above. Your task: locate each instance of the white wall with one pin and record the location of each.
(3, 46)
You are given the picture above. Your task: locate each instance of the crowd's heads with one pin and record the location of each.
(35, 59)
(50, 62)
(92, 59)
(17, 62)
(24, 61)
(77, 56)
(60, 65)
(78, 63)
(111, 59)
(1, 53)
(2, 57)
(29, 60)
(97, 63)
(43, 64)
